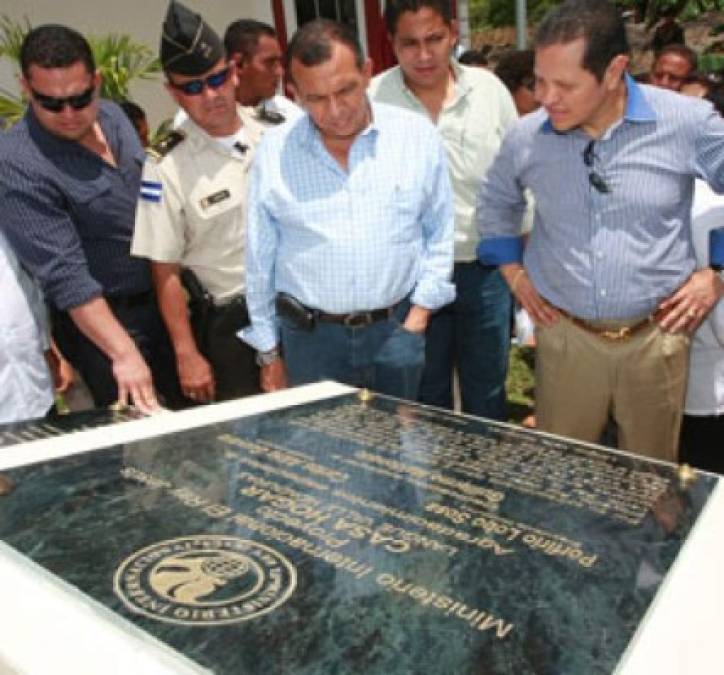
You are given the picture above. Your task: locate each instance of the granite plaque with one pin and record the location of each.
(363, 536)
(57, 425)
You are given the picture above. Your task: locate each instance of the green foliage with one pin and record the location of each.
(11, 36)
(497, 13)
(121, 61)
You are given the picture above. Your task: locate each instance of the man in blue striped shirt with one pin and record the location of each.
(608, 273)
(350, 226)
(69, 177)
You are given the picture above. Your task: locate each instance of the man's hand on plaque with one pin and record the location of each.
(135, 384)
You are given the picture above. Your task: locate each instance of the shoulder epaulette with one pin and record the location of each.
(161, 148)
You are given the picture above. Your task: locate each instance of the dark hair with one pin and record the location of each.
(716, 96)
(686, 53)
(55, 46)
(473, 57)
(312, 43)
(393, 9)
(516, 68)
(242, 36)
(598, 22)
(133, 111)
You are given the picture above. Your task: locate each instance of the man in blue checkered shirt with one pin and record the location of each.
(350, 229)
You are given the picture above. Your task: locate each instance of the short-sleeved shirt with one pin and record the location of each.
(192, 208)
(69, 214)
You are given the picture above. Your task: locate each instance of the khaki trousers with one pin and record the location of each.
(582, 378)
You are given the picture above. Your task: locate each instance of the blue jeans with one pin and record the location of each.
(383, 356)
(472, 333)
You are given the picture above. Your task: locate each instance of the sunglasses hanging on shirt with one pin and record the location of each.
(594, 178)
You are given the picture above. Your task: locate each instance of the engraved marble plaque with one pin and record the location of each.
(351, 536)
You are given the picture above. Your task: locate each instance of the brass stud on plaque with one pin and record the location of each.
(365, 395)
(687, 475)
(7, 485)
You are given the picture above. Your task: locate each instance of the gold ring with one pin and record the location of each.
(691, 314)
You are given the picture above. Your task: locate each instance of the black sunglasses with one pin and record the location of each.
(57, 103)
(594, 178)
(195, 87)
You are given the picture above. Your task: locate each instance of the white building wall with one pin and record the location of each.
(141, 19)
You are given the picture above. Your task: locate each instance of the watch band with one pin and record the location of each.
(267, 357)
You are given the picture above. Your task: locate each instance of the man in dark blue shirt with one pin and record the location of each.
(70, 174)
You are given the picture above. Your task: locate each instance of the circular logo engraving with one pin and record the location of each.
(205, 580)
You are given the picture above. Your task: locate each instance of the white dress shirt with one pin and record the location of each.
(26, 390)
(705, 388)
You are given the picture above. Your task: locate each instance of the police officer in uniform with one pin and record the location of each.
(190, 219)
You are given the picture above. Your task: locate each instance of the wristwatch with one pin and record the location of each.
(265, 358)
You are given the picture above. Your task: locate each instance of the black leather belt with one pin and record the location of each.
(356, 319)
(130, 300)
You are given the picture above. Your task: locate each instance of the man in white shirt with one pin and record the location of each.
(26, 390)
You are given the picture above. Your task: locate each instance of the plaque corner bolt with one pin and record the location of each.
(687, 475)
(365, 395)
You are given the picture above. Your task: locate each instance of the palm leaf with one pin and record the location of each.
(12, 34)
(121, 60)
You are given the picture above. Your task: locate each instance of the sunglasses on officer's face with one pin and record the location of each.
(195, 87)
(56, 103)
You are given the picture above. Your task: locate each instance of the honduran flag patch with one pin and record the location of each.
(151, 191)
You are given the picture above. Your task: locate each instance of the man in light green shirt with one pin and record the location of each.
(472, 110)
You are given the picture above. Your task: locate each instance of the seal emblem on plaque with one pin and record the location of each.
(205, 580)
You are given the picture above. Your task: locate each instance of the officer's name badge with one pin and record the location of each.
(215, 198)
(151, 191)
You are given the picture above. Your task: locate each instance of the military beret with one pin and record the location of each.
(189, 46)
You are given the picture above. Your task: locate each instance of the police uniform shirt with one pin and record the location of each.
(192, 207)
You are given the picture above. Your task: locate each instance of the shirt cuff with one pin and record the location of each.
(433, 294)
(260, 338)
(500, 250)
(716, 247)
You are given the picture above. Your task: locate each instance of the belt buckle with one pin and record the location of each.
(619, 334)
(358, 319)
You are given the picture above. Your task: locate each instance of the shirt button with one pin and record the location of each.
(603, 292)
(598, 217)
(599, 255)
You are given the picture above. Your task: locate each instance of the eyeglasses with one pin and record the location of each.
(594, 178)
(195, 87)
(56, 103)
